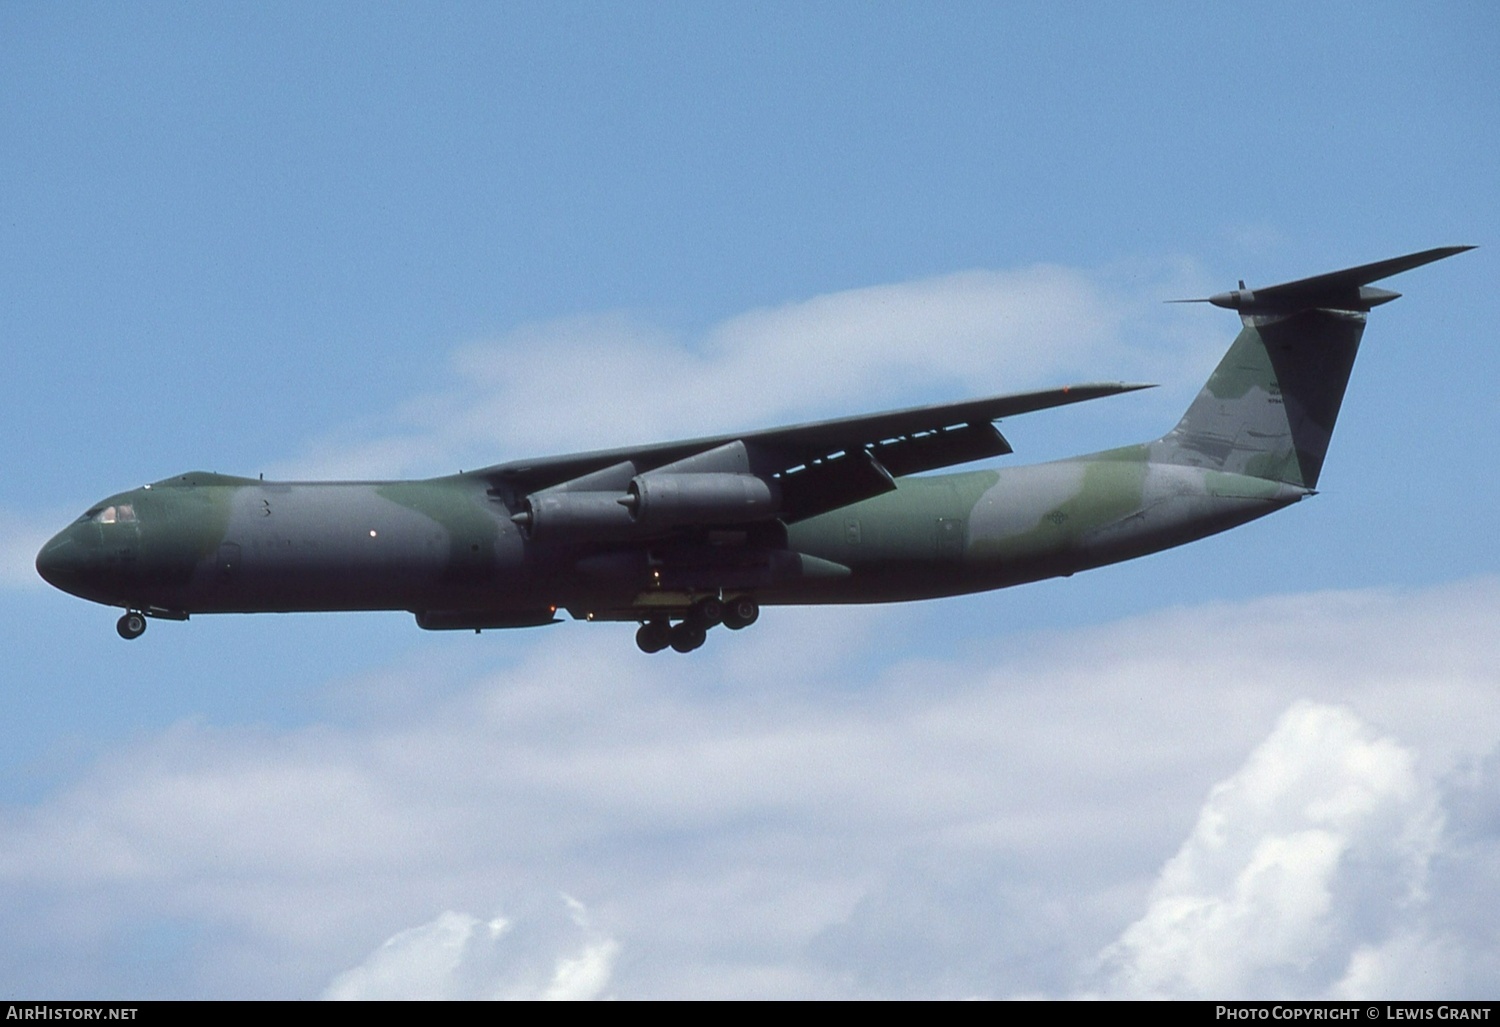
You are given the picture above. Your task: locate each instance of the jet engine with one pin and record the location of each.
(660, 502)
(587, 515)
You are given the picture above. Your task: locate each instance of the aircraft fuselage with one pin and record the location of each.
(203, 543)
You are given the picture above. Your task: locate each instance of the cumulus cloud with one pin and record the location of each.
(1322, 838)
(458, 956)
(606, 380)
(748, 821)
(1331, 865)
(426, 962)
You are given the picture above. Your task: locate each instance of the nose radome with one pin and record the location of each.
(62, 561)
(50, 563)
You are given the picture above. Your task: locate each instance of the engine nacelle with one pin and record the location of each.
(576, 515)
(659, 502)
(653, 504)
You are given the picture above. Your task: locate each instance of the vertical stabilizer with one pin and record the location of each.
(1269, 408)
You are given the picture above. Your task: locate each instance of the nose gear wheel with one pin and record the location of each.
(131, 625)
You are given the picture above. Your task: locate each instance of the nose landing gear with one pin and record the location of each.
(131, 625)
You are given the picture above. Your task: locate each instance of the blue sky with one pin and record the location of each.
(335, 239)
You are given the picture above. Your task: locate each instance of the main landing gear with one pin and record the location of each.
(691, 632)
(132, 625)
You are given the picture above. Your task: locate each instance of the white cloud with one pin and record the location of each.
(1324, 826)
(1411, 964)
(749, 821)
(458, 956)
(419, 963)
(586, 974)
(608, 380)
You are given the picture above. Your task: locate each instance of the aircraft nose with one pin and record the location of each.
(64, 563)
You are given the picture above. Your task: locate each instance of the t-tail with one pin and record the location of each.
(1268, 409)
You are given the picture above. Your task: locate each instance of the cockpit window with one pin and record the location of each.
(121, 513)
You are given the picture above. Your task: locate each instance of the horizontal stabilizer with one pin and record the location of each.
(1338, 290)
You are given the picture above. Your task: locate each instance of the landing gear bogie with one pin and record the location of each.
(691, 631)
(688, 636)
(653, 636)
(707, 612)
(131, 625)
(741, 613)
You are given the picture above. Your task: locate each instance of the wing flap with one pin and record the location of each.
(944, 447)
(824, 485)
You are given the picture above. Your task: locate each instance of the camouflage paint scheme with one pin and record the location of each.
(828, 520)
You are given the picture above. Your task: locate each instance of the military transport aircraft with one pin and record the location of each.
(683, 536)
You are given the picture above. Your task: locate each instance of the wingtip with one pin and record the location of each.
(1094, 389)
(1439, 253)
